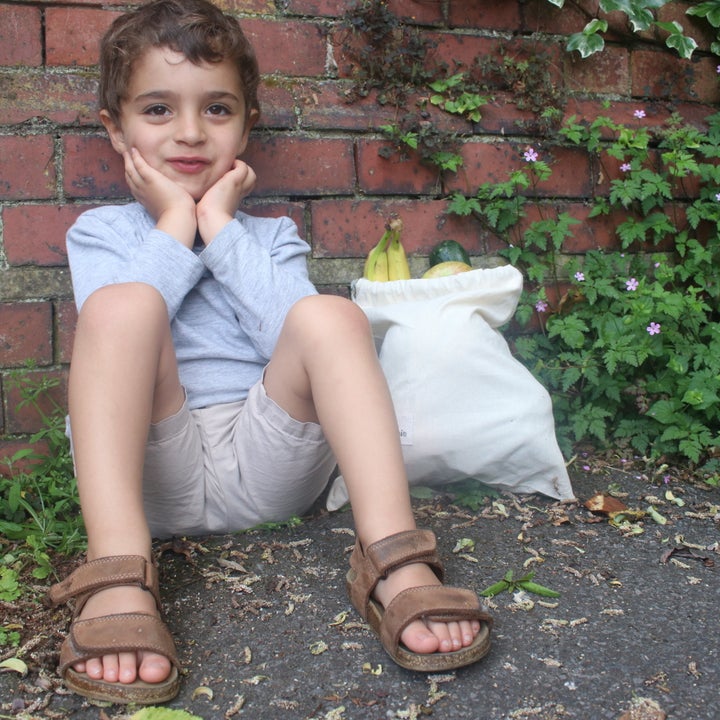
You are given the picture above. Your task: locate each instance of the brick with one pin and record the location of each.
(290, 47)
(540, 16)
(350, 228)
(20, 36)
(463, 50)
(327, 104)
(488, 16)
(72, 35)
(274, 209)
(35, 234)
(27, 170)
(67, 99)
(65, 321)
(607, 72)
(398, 174)
(92, 169)
(25, 333)
(491, 162)
(25, 419)
(301, 166)
(411, 11)
(659, 74)
(277, 106)
(8, 448)
(502, 116)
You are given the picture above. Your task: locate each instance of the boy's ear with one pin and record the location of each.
(117, 138)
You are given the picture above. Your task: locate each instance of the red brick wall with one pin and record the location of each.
(315, 155)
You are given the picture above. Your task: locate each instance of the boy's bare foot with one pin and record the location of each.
(124, 667)
(425, 636)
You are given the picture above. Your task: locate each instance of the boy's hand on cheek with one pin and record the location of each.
(219, 204)
(170, 205)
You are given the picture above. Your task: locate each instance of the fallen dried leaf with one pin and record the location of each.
(685, 551)
(14, 664)
(318, 648)
(605, 504)
(369, 669)
(643, 709)
(202, 691)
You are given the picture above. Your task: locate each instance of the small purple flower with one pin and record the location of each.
(639, 113)
(653, 328)
(580, 277)
(586, 468)
(530, 155)
(717, 69)
(631, 284)
(717, 197)
(541, 306)
(626, 167)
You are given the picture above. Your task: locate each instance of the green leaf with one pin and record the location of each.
(684, 45)
(709, 10)
(162, 713)
(495, 589)
(537, 589)
(586, 45)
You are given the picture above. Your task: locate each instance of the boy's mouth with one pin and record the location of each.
(188, 165)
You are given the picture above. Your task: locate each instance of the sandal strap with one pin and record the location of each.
(432, 602)
(103, 573)
(378, 560)
(109, 634)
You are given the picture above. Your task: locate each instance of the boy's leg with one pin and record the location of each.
(325, 369)
(123, 375)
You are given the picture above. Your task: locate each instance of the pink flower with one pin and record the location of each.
(580, 277)
(530, 155)
(639, 113)
(653, 328)
(541, 306)
(631, 284)
(626, 167)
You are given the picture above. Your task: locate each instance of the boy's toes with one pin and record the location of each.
(154, 668)
(418, 638)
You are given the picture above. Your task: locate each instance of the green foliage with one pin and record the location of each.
(39, 512)
(456, 97)
(510, 584)
(641, 18)
(630, 342)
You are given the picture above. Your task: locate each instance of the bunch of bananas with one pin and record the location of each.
(387, 260)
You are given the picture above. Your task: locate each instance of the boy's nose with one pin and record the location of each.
(189, 130)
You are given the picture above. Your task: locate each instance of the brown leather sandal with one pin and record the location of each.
(125, 632)
(441, 603)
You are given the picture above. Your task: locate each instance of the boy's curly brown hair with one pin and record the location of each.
(195, 28)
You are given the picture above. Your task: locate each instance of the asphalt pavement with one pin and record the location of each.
(264, 628)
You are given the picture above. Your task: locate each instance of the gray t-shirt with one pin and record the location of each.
(226, 301)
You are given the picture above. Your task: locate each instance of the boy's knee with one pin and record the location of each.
(122, 302)
(329, 313)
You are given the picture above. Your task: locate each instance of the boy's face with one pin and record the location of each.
(187, 121)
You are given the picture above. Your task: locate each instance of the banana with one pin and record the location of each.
(376, 264)
(387, 260)
(398, 268)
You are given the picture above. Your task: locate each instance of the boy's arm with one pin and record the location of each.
(119, 244)
(261, 265)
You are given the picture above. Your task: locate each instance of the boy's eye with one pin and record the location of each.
(156, 110)
(218, 109)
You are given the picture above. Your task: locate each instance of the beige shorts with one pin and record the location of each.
(229, 467)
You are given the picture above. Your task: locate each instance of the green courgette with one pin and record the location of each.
(448, 251)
